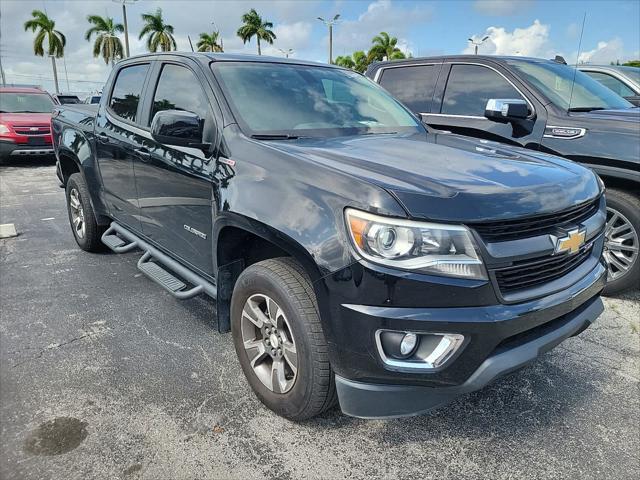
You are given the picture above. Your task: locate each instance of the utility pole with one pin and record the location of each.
(476, 43)
(64, 60)
(330, 24)
(126, 27)
(4, 80)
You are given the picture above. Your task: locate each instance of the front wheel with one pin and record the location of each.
(622, 241)
(279, 340)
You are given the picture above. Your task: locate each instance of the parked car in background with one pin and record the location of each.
(536, 104)
(625, 81)
(93, 99)
(25, 122)
(349, 254)
(66, 99)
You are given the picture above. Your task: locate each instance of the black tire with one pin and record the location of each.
(628, 205)
(285, 281)
(90, 241)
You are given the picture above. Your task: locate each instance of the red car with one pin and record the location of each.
(25, 122)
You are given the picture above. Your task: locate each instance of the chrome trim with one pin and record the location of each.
(583, 131)
(444, 352)
(33, 151)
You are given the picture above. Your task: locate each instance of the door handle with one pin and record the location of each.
(143, 153)
(103, 138)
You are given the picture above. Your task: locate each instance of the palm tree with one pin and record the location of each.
(107, 43)
(254, 26)
(361, 60)
(209, 43)
(159, 33)
(384, 46)
(45, 28)
(345, 61)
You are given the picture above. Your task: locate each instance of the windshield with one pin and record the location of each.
(302, 100)
(25, 103)
(554, 81)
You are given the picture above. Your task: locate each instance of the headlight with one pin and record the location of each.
(426, 247)
(4, 129)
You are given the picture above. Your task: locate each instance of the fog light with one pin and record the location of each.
(407, 351)
(409, 342)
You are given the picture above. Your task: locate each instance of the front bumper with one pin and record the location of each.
(12, 149)
(498, 337)
(366, 400)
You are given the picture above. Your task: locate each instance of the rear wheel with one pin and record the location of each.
(82, 219)
(622, 245)
(279, 340)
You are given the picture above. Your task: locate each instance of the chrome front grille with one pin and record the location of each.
(35, 130)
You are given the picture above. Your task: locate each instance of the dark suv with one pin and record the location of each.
(541, 105)
(351, 257)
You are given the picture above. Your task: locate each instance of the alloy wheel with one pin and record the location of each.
(269, 343)
(620, 245)
(77, 213)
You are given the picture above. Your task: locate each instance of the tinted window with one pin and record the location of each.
(612, 83)
(413, 86)
(309, 100)
(179, 89)
(126, 91)
(470, 86)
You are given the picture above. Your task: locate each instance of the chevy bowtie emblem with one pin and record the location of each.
(571, 243)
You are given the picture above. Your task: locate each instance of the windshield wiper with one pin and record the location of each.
(267, 136)
(585, 109)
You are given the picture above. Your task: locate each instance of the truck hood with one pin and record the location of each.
(436, 182)
(32, 119)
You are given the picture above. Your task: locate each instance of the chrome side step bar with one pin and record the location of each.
(158, 266)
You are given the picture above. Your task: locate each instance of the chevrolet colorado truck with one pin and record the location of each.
(543, 105)
(351, 256)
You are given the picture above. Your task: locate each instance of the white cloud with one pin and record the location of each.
(531, 41)
(605, 52)
(296, 36)
(501, 7)
(381, 15)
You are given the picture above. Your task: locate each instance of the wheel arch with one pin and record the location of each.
(240, 241)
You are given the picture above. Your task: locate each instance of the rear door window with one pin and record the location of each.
(412, 85)
(470, 86)
(125, 96)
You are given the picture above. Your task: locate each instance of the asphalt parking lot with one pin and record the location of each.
(104, 375)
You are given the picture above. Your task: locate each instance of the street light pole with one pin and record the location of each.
(287, 52)
(330, 24)
(126, 27)
(477, 44)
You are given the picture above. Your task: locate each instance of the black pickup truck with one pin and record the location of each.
(352, 257)
(542, 105)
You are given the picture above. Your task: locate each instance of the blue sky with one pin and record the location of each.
(525, 27)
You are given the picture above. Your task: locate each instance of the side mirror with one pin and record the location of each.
(506, 110)
(178, 127)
